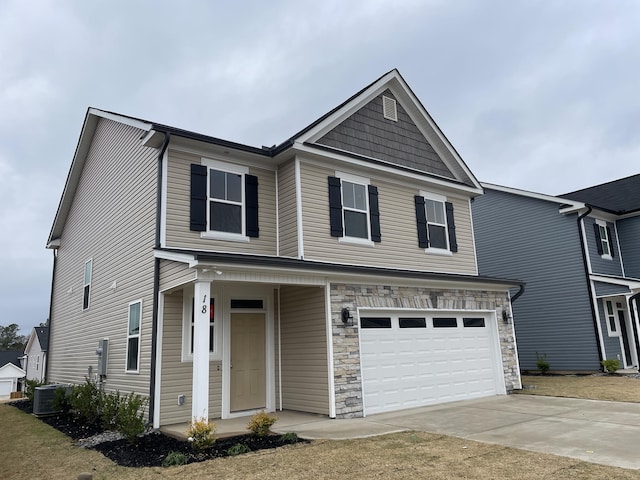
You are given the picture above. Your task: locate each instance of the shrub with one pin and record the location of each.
(174, 458)
(130, 415)
(611, 365)
(86, 400)
(30, 388)
(110, 409)
(61, 401)
(541, 363)
(289, 437)
(238, 449)
(260, 424)
(201, 433)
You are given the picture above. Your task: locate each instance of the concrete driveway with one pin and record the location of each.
(591, 430)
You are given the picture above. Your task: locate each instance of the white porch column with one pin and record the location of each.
(200, 394)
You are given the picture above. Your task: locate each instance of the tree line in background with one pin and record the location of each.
(10, 339)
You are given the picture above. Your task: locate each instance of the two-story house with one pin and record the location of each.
(334, 273)
(580, 258)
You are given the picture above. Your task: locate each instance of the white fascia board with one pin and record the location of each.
(132, 122)
(338, 116)
(571, 204)
(604, 216)
(632, 284)
(319, 277)
(174, 256)
(389, 168)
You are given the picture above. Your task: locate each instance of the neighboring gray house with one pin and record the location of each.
(334, 273)
(35, 353)
(580, 258)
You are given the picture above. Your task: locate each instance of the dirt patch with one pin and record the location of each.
(151, 449)
(618, 388)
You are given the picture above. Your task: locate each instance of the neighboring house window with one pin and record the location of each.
(133, 336)
(224, 201)
(435, 223)
(603, 239)
(86, 295)
(612, 322)
(37, 362)
(353, 209)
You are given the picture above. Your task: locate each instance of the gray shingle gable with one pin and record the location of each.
(368, 133)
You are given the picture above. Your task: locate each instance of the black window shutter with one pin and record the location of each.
(451, 227)
(335, 207)
(610, 238)
(596, 228)
(251, 205)
(421, 220)
(198, 208)
(374, 213)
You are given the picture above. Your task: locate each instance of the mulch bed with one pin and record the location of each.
(151, 449)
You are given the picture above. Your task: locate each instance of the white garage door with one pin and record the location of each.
(5, 388)
(411, 360)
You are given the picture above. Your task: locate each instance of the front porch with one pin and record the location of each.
(310, 426)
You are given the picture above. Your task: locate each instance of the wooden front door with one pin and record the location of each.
(248, 373)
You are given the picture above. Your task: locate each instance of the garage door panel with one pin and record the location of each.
(410, 367)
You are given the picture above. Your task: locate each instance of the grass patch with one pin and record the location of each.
(617, 388)
(40, 451)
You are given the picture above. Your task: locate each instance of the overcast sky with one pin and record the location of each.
(538, 95)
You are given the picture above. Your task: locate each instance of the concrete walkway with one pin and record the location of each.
(590, 430)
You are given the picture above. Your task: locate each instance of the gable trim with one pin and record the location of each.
(412, 106)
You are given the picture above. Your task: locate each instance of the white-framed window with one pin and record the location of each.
(226, 209)
(133, 336)
(215, 330)
(355, 208)
(612, 322)
(86, 291)
(603, 237)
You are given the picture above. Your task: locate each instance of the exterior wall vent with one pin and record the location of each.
(389, 108)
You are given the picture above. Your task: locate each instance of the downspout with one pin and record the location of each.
(586, 272)
(53, 278)
(518, 293)
(156, 281)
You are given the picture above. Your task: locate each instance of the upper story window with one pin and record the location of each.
(603, 239)
(226, 208)
(224, 201)
(353, 209)
(435, 223)
(86, 294)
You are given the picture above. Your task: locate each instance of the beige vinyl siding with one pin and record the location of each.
(112, 221)
(176, 375)
(178, 234)
(173, 274)
(304, 349)
(399, 246)
(287, 210)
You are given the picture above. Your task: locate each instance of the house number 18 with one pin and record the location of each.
(204, 304)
